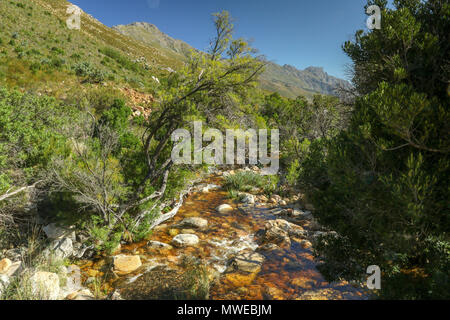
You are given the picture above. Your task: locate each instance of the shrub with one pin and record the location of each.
(120, 59)
(382, 184)
(244, 181)
(91, 74)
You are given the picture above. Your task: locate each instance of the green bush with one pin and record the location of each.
(382, 184)
(120, 59)
(90, 73)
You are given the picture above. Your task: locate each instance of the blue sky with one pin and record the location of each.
(301, 33)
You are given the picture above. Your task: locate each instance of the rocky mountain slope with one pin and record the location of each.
(287, 80)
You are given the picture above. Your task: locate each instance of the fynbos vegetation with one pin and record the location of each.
(88, 184)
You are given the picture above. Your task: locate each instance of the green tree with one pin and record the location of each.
(382, 184)
(124, 170)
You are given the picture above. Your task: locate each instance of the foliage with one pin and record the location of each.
(382, 184)
(90, 73)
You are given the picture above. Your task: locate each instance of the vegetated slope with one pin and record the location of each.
(38, 50)
(287, 80)
(152, 36)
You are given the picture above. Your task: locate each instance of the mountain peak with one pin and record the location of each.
(287, 79)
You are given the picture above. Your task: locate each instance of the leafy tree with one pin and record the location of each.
(382, 184)
(28, 139)
(123, 169)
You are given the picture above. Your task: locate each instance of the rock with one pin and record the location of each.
(73, 281)
(85, 295)
(5, 264)
(210, 187)
(321, 294)
(307, 215)
(54, 232)
(14, 269)
(249, 262)
(193, 222)
(187, 231)
(62, 248)
(263, 199)
(276, 235)
(237, 279)
(268, 247)
(184, 240)
(248, 198)
(4, 283)
(276, 197)
(224, 208)
(15, 253)
(124, 264)
(116, 296)
(292, 229)
(283, 203)
(279, 232)
(305, 244)
(45, 285)
(296, 213)
(158, 245)
(273, 293)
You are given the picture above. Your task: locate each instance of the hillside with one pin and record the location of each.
(287, 80)
(39, 52)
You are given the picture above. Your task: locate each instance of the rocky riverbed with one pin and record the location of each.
(257, 248)
(214, 247)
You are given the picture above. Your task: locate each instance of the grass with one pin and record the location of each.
(39, 51)
(21, 287)
(246, 181)
(195, 280)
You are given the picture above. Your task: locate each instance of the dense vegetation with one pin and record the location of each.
(382, 183)
(374, 162)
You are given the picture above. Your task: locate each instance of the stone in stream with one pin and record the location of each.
(210, 187)
(184, 240)
(193, 222)
(248, 198)
(279, 232)
(62, 248)
(124, 264)
(5, 264)
(249, 262)
(45, 285)
(4, 283)
(224, 208)
(158, 245)
(54, 232)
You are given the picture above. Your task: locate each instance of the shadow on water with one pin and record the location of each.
(285, 274)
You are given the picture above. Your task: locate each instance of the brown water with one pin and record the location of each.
(285, 274)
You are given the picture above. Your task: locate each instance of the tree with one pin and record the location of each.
(382, 184)
(125, 179)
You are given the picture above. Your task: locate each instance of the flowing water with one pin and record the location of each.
(288, 273)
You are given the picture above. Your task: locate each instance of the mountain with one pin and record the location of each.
(39, 52)
(287, 80)
(152, 36)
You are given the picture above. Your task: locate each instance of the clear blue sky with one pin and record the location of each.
(301, 33)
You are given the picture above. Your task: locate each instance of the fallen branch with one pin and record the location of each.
(171, 213)
(10, 194)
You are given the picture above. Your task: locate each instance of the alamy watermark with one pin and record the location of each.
(374, 20)
(374, 280)
(213, 154)
(74, 20)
